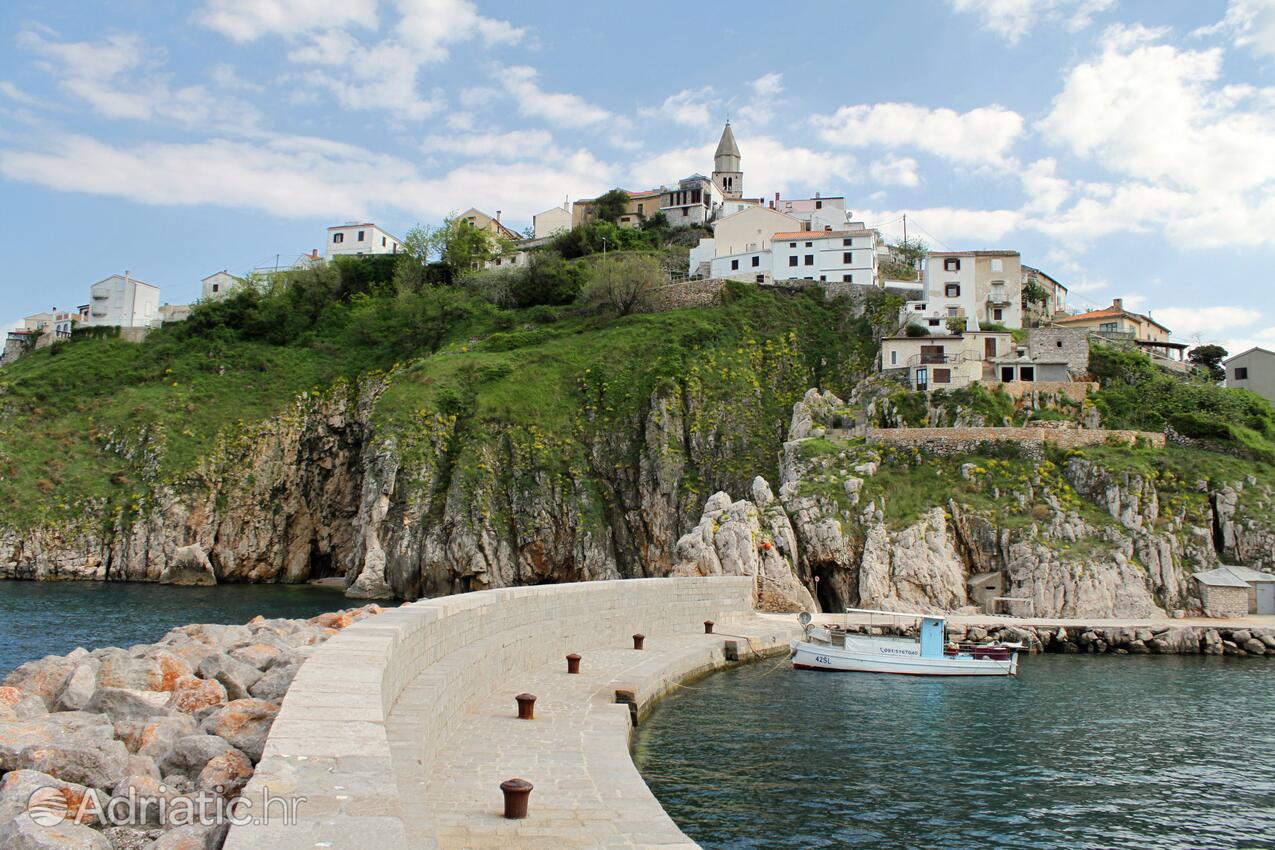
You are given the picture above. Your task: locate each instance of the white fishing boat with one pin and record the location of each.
(833, 647)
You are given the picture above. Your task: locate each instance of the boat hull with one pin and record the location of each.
(816, 656)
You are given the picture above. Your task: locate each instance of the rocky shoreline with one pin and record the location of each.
(1162, 639)
(179, 725)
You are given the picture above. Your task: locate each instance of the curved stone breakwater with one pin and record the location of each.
(1159, 639)
(141, 748)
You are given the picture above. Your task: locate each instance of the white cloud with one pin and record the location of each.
(296, 176)
(517, 144)
(1192, 154)
(429, 26)
(558, 108)
(896, 171)
(768, 85)
(1251, 23)
(120, 77)
(1207, 321)
(769, 166)
(248, 20)
(952, 228)
(760, 108)
(16, 94)
(689, 107)
(1013, 19)
(982, 136)
(379, 77)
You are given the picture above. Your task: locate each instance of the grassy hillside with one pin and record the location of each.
(95, 423)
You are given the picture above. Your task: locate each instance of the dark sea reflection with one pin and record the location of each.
(1076, 752)
(53, 618)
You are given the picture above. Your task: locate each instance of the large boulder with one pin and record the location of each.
(225, 775)
(85, 761)
(18, 787)
(192, 694)
(148, 792)
(126, 704)
(23, 833)
(78, 689)
(245, 723)
(193, 837)
(44, 678)
(154, 736)
(190, 567)
(121, 670)
(191, 753)
(259, 655)
(61, 726)
(236, 676)
(275, 683)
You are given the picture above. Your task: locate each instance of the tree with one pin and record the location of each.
(1208, 358)
(463, 246)
(609, 206)
(622, 284)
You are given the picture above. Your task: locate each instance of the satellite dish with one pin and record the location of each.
(804, 618)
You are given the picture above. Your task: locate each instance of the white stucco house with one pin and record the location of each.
(551, 221)
(1253, 370)
(355, 239)
(124, 302)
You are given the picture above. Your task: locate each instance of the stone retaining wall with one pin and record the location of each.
(957, 441)
(331, 742)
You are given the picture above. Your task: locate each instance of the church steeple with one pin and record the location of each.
(727, 172)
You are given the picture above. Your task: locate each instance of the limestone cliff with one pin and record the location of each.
(1073, 536)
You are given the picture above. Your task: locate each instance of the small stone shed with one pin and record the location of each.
(1231, 591)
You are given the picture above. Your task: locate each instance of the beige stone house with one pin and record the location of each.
(947, 361)
(1145, 332)
(1036, 312)
(490, 224)
(1231, 591)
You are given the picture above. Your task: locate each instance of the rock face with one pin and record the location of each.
(153, 720)
(191, 567)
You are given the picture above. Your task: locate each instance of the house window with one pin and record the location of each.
(942, 376)
(1026, 373)
(922, 380)
(848, 278)
(734, 265)
(823, 277)
(1007, 374)
(1109, 326)
(382, 241)
(1241, 373)
(792, 244)
(920, 308)
(359, 238)
(847, 242)
(338, 238)
(934, 323)
(998, 314)
(810, 259)
(953, 312)
(818, 205)
(792, 261)
(808, 244)
(215, 287)
(894, 357)
(951, 264)
(761, 278)
(952, 290)
(686, 211)
(848, 258)
(756, 261)
(640, 207)
(998, 265)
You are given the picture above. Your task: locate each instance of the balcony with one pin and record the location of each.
(998, 298)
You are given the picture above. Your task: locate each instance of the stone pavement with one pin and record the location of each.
(588, 793)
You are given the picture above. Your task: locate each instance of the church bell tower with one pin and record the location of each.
(727, 173)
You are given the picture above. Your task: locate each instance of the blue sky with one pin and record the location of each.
(1125, 146)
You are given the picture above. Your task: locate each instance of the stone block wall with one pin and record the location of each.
(950, 442)
(689, 293)
(1070, 344)
(332, 740)
(1223, 601)
(1074, 390)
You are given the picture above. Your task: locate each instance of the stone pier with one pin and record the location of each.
(399, 731)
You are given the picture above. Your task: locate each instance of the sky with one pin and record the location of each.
(1126, 147)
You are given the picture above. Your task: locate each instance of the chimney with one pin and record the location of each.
(816, 195)
(314, 252)
(497, 215)
(1117, 303)
(776, 197)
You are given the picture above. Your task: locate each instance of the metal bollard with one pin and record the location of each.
(573, 663)
(708, 627)
(517, 792)
(637, 641)
(526, 706)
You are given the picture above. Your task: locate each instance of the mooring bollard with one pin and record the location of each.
(573, 663)
(526, 706)
(517, 792)
(708, 627)
(637, 641)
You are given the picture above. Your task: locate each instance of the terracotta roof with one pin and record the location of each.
(1109, 313)
(819, 234)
